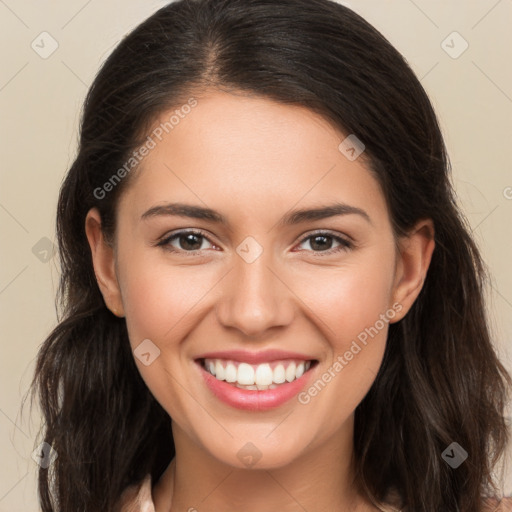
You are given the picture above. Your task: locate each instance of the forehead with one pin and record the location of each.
(251, 155)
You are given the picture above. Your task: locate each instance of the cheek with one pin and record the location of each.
(159, 298)
(345, 300)
(161, 302)
(352, 307)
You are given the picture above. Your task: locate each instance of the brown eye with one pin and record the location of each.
(322, 242)
(184, 241)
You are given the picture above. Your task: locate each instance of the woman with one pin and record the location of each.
(270, 299)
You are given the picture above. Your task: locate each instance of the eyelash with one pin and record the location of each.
(345, 244)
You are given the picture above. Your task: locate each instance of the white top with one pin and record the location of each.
(138, 498)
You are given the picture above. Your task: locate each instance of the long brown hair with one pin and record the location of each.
(440, 380)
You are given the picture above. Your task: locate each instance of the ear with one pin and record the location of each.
(103, 258)
(412, 265)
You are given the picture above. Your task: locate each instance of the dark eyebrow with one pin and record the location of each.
(185, 210)
(291, 218)
(323, 212)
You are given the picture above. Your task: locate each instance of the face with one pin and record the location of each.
(254, 289)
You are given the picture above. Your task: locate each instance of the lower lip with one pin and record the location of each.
(254, 400)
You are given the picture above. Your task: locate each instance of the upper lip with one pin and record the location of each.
(263, 356)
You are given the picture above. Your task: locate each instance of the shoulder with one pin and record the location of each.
(489, 504)
(137, 497)
(496, 505)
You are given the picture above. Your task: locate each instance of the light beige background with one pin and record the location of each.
(40, 102)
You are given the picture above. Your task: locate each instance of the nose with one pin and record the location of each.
(255, 298)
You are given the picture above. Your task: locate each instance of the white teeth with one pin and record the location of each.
(245, 374)
(279, 375)
(220, 373)
(231, 373)
(252, 388)
(290, 372)
(261, 376)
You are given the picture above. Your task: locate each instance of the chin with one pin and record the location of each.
(256, 452)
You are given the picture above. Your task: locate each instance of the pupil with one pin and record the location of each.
(189, 240)
(320, 246)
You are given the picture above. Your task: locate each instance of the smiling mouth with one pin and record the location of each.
(257, 376)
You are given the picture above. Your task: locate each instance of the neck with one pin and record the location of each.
(320, 478)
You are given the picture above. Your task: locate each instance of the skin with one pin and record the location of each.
(253, 160)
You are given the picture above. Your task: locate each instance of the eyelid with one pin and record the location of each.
(334, 234)
(166, 239)
(346, 241)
